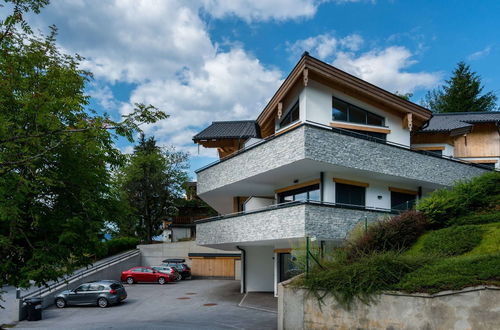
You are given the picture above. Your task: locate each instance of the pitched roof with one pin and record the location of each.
(463, 121)
(240, 129)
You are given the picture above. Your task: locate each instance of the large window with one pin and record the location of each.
(349, 194)
(301, 194)
(291, 116)
(347, 112)
(402, 201)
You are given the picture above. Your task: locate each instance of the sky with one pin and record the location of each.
(207, 60)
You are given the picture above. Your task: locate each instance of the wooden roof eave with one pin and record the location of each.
(287, 84)
(360, 86)
(339, 77)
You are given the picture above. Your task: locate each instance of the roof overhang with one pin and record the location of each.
(309, 67)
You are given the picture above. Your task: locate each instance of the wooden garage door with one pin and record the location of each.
(223, 267)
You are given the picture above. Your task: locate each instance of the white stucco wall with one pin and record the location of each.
(259, 268)
(255, 203)
(375, 189)
(448, 149)
(318, 103)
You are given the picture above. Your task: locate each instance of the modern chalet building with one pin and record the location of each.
(328, 150)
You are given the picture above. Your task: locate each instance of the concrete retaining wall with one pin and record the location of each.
(110, 272)
(472, 308)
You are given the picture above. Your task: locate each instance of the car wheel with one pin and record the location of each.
(161, 280)
(178, 277)
(130, 280)
(102, 302)
(60, 303)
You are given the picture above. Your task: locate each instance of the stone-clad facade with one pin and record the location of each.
(352, 152)
(296, 221)
(323, 145)
(282, 150)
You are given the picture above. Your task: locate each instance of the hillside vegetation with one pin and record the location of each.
(451, 241)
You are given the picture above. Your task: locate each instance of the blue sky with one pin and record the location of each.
(205, 60)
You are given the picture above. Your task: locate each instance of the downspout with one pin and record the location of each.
(244, 271)
(321, 186)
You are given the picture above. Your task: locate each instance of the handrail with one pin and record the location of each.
(295, 203)
(81, 273)
(343, 132)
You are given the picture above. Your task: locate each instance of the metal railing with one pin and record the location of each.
(89, 269)
(342, 132)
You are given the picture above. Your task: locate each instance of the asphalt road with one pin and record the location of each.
(194, 304)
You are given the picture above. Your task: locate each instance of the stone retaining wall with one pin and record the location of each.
(475, 308)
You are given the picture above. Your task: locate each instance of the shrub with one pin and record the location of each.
(396, 233)
(452, 241)
(453, 274)
(476, 219)
(120, 244)
(480, 193)
(368, 276)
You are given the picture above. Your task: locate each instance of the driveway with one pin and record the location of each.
(194, 304)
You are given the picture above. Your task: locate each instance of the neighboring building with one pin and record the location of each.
(472, 136)
(328, 150)
(191, 208)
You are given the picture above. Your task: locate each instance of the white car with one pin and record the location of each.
(168, 270)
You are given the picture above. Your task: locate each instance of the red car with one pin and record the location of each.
(145, 274)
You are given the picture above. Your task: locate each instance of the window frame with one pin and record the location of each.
(357, 108)
(295, 106)
(351, 186)
(293, 192)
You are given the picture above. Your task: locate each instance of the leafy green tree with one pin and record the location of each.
(56, 156)
(151, 182)
(461, 93)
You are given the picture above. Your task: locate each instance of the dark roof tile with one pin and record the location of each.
(445, 122)
(241, 129)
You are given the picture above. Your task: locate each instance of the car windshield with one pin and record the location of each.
(115, 286)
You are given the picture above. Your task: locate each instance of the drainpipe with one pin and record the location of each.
(321, 186)
(244, 272)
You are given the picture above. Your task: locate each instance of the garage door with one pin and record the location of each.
(213, 267)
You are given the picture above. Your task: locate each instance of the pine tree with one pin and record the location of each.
(461, 93)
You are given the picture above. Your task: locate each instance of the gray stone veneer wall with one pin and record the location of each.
(335, 148)
(279, 223)
(283, 150)
(327, 222)
(331, 147)
(324, 222)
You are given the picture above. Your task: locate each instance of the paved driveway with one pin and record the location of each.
(195, 304)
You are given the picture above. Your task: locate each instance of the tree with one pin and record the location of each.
(461, 93)
(151, 182)
(55, 156)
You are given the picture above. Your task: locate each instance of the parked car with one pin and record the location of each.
(146, 274)
(169, 270)
(180, 266)
(103, 293)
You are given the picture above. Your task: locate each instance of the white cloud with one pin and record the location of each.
(251, 10)
(479, 54)
(325, 45)
(231, 85)
(386, 68)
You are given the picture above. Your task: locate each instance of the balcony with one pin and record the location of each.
(287, 221)
(313, 148)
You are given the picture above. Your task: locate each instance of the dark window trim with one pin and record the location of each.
(300, 190)
(349, 105)
(296, 105)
